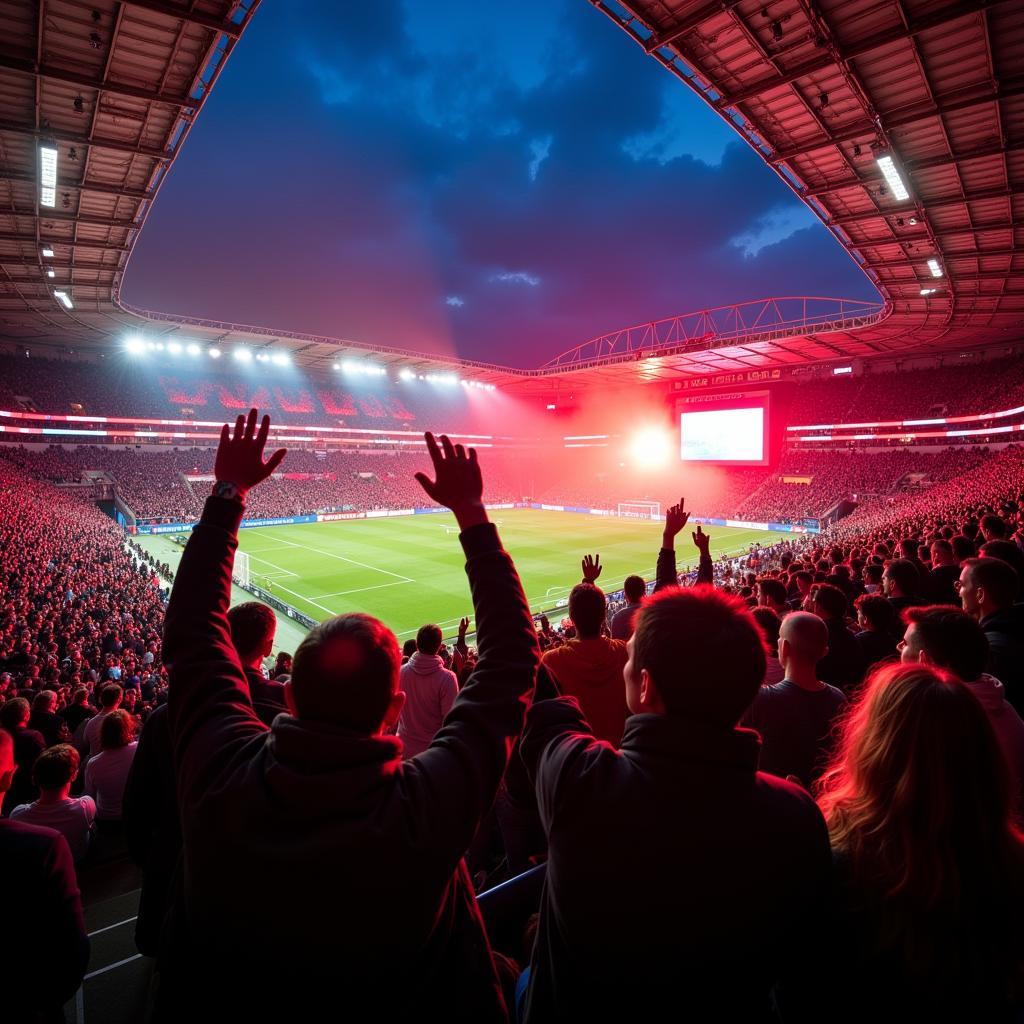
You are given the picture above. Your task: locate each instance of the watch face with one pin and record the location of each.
(223, 489)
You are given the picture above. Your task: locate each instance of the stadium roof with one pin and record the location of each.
(822, 91)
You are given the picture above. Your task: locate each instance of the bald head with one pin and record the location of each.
(806, 639)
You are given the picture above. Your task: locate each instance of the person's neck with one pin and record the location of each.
(49, 797)
(803, 676)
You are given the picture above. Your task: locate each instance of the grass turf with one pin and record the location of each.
(409, 570)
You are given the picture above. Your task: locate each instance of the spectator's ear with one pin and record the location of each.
(650, 699)
(395, 706)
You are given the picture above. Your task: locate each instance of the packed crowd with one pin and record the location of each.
(800, 775)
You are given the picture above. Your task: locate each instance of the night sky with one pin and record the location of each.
(498, 181)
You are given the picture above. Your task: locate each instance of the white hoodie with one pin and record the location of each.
(1008, 727)
(430, 691)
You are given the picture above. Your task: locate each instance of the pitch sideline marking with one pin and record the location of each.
(342, 558)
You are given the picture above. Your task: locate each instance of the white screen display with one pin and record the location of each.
(722, 435)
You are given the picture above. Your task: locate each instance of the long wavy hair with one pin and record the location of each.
(918, 805)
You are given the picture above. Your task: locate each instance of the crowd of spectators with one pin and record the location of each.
(788, 771)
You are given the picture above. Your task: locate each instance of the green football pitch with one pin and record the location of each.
(409, 570)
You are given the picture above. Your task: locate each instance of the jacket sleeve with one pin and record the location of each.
(452, 784)
(666, 575)
(706, 570)
(140, 806)
(557, 743)
(209, 705)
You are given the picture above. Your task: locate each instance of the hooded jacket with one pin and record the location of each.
(430, 691)
(318, 865)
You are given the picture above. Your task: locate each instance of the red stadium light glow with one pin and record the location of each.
(650, 447)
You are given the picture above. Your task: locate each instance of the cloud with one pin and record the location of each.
(455, 300)
(539, 148)
(516, 277)
(772, 227)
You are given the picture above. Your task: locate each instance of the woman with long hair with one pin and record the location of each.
(930, 862)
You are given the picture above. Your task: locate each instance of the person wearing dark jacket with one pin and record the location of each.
(844, 665)
(152, 830)
(665, 574)
(988, 588)
(28, 745)
(253, 626)
(680, 881)
(318, 865)
(44, 947)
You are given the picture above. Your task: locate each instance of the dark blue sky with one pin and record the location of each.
(500, 181)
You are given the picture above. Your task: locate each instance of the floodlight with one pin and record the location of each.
(135, 346)
(892, 176)
(551, 407)
(243, 355)
(650, 447)
(337, 366)
(406, 374)
(214, 353)
(47, 252)
(280, 359)
(193, 349)
(65, 299)
(933, 266)
(159, 346)
(48, 175)
(929, 291)
(50, 272)
(174, 348)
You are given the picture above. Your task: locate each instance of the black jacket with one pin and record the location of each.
(267, 697)
(318, 865)
(680, 880)
(1005, 633)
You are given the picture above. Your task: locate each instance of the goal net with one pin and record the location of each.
(241, 572)
(640, 509)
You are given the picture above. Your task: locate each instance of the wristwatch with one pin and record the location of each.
(225, 489)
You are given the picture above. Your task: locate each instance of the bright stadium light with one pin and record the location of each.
(193, 349)
(280, 359)
(50, 272)
(47, 252)
(929, 291)
(135, 346)
(174, 348)
(47, 175)
(214, 353)
(406, 374)
(262, 357)
(65, 299)
(892, 176)
(650, 447)
(243, 355)
(933, 266)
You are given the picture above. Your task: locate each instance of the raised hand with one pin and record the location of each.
(463, 630)
(240, 455)
(457, 484)
(591, 568)
(675, 519)
(701, 541)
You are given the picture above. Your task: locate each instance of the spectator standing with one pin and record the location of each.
(430, 690)
(106, 774)
(110, 700)
(939, 587)
(878, 624)
(795, 717)
(843, 666)
(988, 587)
(671, 860)
(78, 711)
(253, 626)
(44, 718)
(950, 639)
(589, 667)
(54, 771)
(44, 933)
(634, 589)
(931, 866)
(280, 810)
(28, 745)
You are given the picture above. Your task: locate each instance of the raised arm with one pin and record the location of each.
(209, 703)
(675, 519)
(454, 781)
(706, 568)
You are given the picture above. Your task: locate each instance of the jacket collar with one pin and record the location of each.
(304, 744)
(672, 738)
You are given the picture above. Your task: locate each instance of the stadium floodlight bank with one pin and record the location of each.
(639, 509)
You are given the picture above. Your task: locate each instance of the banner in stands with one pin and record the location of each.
(330, 517)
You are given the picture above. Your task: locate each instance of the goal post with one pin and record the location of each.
(639, 509)
(242, 571)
